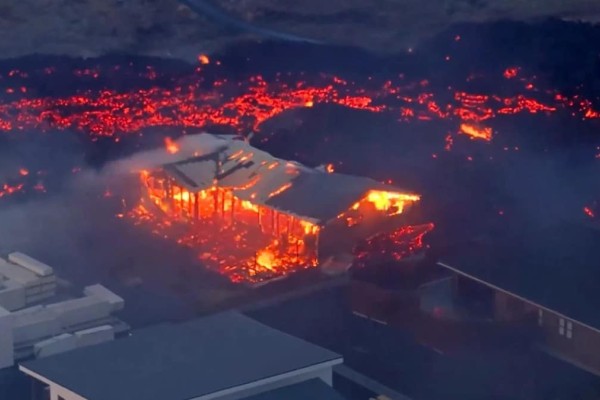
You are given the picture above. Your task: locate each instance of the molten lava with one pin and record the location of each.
(194, 102)
(7, 190)
(589, 212)
(510, 73)
(390, 247)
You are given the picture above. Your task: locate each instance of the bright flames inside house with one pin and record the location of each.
(253, 217)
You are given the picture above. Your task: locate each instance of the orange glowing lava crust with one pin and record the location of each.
(589, 212)
(248, 104)
(394, 246)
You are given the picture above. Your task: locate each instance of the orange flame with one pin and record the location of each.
(233, 228)
(280, 190)
(203, 59)
(266, 258)
(171, 146)
(475, 132)
(391, 202)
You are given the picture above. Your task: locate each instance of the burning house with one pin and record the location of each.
(256, 217)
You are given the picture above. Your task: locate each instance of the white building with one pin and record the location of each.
(24, 281)
(31, 326)
(224, 356)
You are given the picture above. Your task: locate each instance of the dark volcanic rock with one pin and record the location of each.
(166, 28)
(90, 28)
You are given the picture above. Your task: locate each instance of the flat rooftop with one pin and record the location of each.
(557, 267)
(181, 361)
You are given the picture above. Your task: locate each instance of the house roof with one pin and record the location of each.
(254, 175)
(312, 389)
(324, 196)
(557, 267)
(181, 361)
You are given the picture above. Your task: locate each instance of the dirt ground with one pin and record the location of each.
(167, 28)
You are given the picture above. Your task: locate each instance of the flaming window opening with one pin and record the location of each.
(252, 217)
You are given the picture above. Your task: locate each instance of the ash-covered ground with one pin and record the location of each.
(170, 28)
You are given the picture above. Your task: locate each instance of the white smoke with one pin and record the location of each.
(188, 146)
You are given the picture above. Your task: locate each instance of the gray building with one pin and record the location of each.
(224, 356)
(546, 280)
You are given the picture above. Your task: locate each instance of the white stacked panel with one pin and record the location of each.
(18, 274)
(23, 281)
(55, 345)
(30, 325)
(35, 266)
(36, 287)
(12, 296)
(6, 339)
(116, 302)
(93, 336)
(78, 311)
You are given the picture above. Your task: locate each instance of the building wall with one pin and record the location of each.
(322, 371)
(376, 303)
(325, 374)
(508, 308)
(58, 393)
(6, 339)
(571, 341)
(562, 337)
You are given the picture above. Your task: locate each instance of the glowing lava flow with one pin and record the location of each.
(589, 212)
(393, 246)
(23, 181)
(7, 190)
(243, 105)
